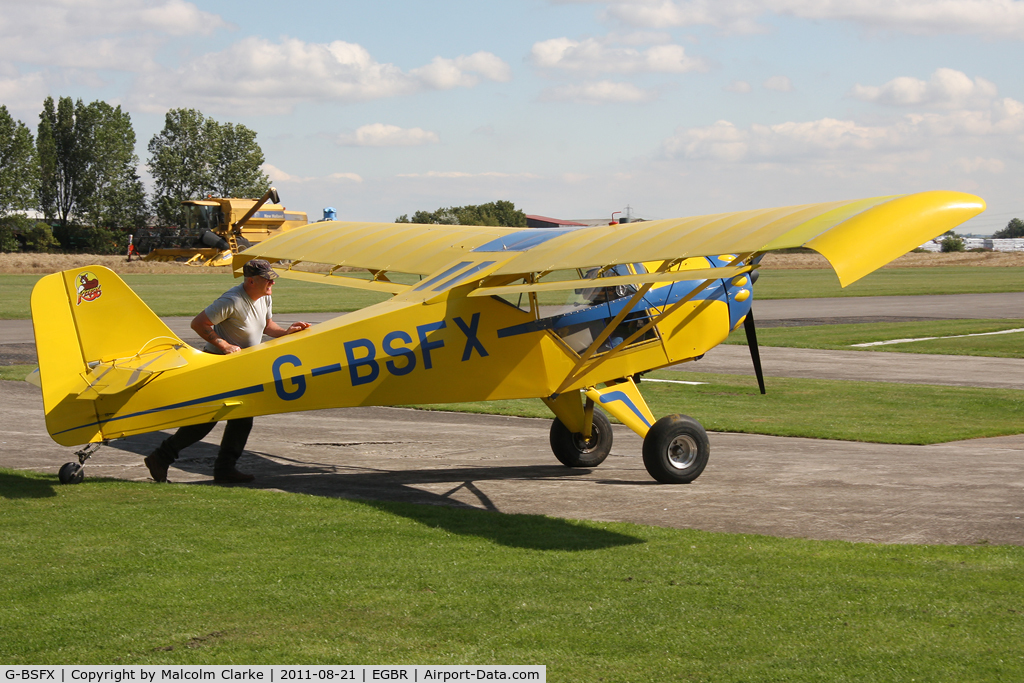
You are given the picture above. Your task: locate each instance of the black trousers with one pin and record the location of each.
(236, 433)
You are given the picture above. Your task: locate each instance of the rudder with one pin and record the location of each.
(81, 318)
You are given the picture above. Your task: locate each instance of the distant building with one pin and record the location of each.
(545, 222)
(1012, 244)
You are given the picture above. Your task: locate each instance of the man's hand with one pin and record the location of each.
(274, 330)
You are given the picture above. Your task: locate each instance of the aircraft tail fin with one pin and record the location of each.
(95, 338)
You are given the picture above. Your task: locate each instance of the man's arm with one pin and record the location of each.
(274, 330)
(203, 326)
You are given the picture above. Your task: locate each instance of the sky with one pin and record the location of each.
(568, 108)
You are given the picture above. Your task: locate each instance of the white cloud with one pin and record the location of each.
(779, 84)
(995, 18)
(23, 94)
(741, 87)
(465, 72)
(122, 35)
(465, 175)
(276, 175)
(979, 164)
(265, 77)
(833, 139)
(386, 135)
(595, 55)
(601, 92)
(946, 89)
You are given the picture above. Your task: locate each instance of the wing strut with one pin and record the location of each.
(579, 370)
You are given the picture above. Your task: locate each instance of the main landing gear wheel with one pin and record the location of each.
(573, 450)
(676, 449)
(71, 473)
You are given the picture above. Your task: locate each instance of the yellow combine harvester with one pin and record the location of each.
(217, 228)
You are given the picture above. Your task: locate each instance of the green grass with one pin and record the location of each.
(824, 409)
(16, 373)
(814, 283)
(128, 573)
(189, 293)
(844, 336)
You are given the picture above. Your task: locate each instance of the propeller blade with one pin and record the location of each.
(755, 355)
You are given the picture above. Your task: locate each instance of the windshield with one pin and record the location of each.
(202, 218)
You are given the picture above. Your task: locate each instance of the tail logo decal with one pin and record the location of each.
(88, 287)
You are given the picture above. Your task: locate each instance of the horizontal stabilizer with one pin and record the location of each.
(124, 373)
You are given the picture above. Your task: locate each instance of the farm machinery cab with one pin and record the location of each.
(217, 228)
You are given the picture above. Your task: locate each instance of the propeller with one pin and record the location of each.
(755, 354)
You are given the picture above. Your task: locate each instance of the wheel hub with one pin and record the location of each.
(682, 452)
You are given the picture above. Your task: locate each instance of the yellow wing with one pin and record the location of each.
(856, 237)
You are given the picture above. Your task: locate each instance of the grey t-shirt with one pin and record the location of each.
(239, 319)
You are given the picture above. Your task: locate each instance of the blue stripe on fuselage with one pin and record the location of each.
(244, 391)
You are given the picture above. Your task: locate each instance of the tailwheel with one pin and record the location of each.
(574, 450)
(71, 473)
(676, 449)
(74, 472)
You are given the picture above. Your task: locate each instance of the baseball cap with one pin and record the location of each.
(259, 268)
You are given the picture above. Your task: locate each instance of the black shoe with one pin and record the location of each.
(232, 477)
(157, 469)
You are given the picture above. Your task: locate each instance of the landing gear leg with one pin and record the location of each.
(74, 472)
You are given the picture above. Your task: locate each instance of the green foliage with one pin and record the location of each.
(61, 159)
(13, 229)
(39, 238)
(112, 192)
(94, 240)
(237, 170)
(8, 242)
(1015, 228)
(952, 242)
(88, 167)
(502, 213)
(18, 167)
(195, 156)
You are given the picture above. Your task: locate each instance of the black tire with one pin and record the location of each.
(676, 449)
(572, 450)
(71, 473)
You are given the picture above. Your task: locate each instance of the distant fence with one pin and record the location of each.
(1012, 244)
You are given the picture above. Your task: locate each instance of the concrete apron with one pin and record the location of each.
(957, 493)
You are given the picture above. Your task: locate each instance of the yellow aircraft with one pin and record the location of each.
(468, 321)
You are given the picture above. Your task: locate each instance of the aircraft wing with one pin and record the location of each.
(856, 237)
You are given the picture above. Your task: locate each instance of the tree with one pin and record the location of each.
(18, 166)
(62, 153)
(88, 170)
(1015, 228)
(112, 192)
(194, 156)
(502, 213)
(237, 170)
(952, 242)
